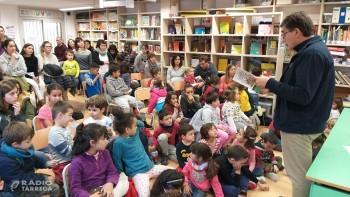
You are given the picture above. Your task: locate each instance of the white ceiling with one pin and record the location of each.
(51, 4)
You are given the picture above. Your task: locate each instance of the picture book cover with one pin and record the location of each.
(268, 68)
(271, 47)
(222, 64)
(176, 46)
(224, 28)
(171, 29)
(145, 21)
(238, 28)
(123, 34)
(255, 49)
(153, 21)
(236, 49)
(129, 22)
(242, 77)
(222, 46)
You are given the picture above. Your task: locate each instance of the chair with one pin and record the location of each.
(105, 94)
(136, 76)
(141, 95)
(144, 82)
(178, 85)
(34, 123)
(86, 97)
(66, 181)
(41, 138)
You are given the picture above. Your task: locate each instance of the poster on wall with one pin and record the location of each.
(10, 32)
(40, 13)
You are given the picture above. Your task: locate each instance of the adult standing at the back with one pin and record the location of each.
(205, 69)
(102, 57)
(60, 50)
(304, 97)
(175, 73)
(83, 57)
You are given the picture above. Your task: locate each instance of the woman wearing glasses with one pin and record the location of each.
(46, 57)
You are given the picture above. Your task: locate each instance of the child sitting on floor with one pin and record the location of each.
(186, 132)
(158, 94)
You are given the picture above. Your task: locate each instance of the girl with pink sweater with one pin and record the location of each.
(227, 78)
(158, 94)
(246, 137)
(201, 172)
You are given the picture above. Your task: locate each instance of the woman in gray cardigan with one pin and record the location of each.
(83, 57)
(175, 73)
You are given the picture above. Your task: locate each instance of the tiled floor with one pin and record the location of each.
(281, 188)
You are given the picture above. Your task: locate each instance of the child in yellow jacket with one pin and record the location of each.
(72, 70)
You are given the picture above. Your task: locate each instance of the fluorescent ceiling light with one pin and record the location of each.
(76, 8)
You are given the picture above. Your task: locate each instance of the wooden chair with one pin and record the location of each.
(108, 102)
(136, 76)
(178, 85)
(144, 82)
(141, 95)
(41, 138)
(86, 97)
(66, 180)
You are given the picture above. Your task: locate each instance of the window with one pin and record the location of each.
(36, 32)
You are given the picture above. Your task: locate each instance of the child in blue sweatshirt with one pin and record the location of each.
(93, 80)
(18, 163)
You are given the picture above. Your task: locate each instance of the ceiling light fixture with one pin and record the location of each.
(76, 8)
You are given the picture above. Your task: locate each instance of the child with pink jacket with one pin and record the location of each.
(158, 94)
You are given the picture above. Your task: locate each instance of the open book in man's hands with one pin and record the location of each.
(242, 77)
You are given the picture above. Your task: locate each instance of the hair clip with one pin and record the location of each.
(174, 181)
(244, 128)
(252, 138)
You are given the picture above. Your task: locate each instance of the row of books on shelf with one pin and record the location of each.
(99, 25)
(201, 44)
(340, 60)
(176, 29)
(154, 48)
(113, 36)
(113, 25)
(99, 16)
(83, 35)
(342, 78)
(336, 34)
(128, 33)
(82, 26)
(150, 20)
(261, 49)
(97, 35)
(153, 34)
(176, 46)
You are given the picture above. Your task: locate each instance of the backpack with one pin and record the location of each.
(197, 122)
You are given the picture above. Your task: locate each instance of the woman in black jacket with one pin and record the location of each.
(102, 57)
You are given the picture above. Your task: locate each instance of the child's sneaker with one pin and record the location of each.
(272, 176)
(281, 168)
(165, 160)
(251, 185)
(261, 180)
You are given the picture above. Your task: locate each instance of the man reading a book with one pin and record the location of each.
(304, 96)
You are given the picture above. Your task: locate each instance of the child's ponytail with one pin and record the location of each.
(209, 81)
(203, 150)
(167, 180)
(122, 120)
(85, 133)
(250, 134)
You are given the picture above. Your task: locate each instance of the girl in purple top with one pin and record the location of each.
(92, 171)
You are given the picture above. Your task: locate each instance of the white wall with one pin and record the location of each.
(9, 17)
(70, 26)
